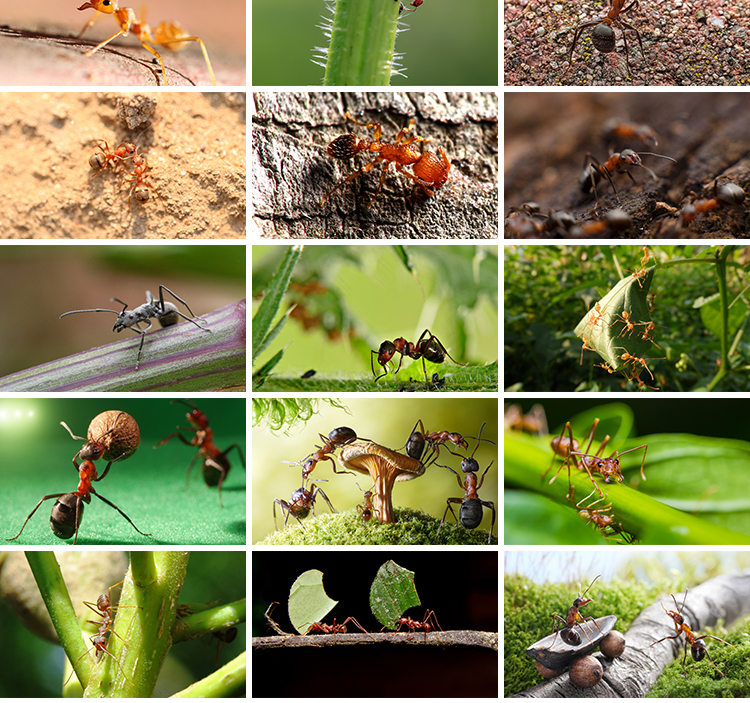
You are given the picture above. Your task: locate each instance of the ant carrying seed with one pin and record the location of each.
(215, 463)
(166, 313)
(300, 504)
(568, 634)
(170, 35)
(429, 171)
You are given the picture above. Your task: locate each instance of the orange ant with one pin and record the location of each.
(568, 634)
(606, 367)
(646, 336)
(628, 324)
(602, 521)
(569, 449)
(627, 357)
(584, 348)
(367, 508)
(651, 296)
(334, 629)
(615, 131)
(430, 172)
(171, 35)
(140, 166)
(728, 195)
(102, 159)
(698, 647)
(603, 35)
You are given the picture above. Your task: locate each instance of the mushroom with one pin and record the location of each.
(385, 467)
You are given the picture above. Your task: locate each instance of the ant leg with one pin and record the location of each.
(121, 33)
(383, 174)
(112, 505)
(31, 514)
(376, 126)
(448, 507)
(158, 56)
(576, 37)
(351, 177)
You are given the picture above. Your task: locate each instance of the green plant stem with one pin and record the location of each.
(363, 38)
(219, 683)
(209, 620)
(721, 279)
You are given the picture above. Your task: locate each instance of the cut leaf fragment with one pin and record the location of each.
(308, 602)
(392, 593)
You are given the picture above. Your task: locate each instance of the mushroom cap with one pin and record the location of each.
(366, 457)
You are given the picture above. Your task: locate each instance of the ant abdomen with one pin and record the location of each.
(63, 519)
(698, 650)
(470, 513)
(603, 37)
(432, 169)
(343, 147)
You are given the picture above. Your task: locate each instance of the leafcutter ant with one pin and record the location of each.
(568, 634)
(427, 624)
(321, 628)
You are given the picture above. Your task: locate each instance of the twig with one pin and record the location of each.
(466, 638)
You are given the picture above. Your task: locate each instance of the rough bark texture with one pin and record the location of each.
(292, 171)
(548, 135)
(632, 675)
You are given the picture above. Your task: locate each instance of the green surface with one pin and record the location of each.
(148, 486)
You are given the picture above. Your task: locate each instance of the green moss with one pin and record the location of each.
(412, 527)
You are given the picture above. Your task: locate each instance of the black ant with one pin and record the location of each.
(215, 463)
(568, 634)
(470, 512)
(428, 347)
(698, 647)
(300, 505)
(338, 437)
(603, 35)
(67, 511)
(569, 449)
(166, 313)
(427, 624)
(429, 171)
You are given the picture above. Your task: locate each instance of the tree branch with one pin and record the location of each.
(455, 638)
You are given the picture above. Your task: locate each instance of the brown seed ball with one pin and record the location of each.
(124, 438)
(547, 673)
(613, 645)
(586, 672)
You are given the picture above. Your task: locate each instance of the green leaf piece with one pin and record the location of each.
(308, 602)
(392, 593)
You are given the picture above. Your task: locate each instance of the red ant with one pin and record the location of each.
(427, 347)
(470, 512)
(594, 170)
(427, 624)
(614, 130)
(338, 437)
(67, 511)
(698, 647)
(609, 468)
(367, 508)
(430, 172)
(100, 160)
(300, 505)
(568, 634)
(728, 195)
(415, 4)
(563, 224)
(215, 463)
(140, 187)
(415, 444)
(322, 628)
(603, 35)
(602, 521)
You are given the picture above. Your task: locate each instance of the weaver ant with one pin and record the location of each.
(300, 505)
(470, 512)
(728, 195)
(594, 170)
(338, 437)
(569, 449)
(636, 361)
(698, 647)
(428, 347)
(67, 512)
(215, 463)
(140, 186)
(427, 624)
(171, 35)
(166, 313)
(603, 35)
(430, 172)
(603, 521)
(568, 634)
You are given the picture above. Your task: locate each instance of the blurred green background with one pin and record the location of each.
(387, 422)
(351, 298)
(148, 486)
(447, 43)
(45, 281)
(33, 668)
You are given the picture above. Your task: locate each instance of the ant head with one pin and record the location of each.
(108, 7)
(580, 602)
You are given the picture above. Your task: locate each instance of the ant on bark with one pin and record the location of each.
(300, 505)
(603, 35)
(569, 449)
(321, 628)
(338, 437)
(470, 512)
(427, 624)
(428, 347)
(166, 313)
(215, 463)
(568, 634)
(67, 512)
(171, 35)
(430, 172)
(698, 647)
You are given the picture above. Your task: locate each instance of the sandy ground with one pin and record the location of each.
(195, 144)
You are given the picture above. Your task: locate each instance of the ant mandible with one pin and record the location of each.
(300, 505)
(171, 35)
(430, 172)
(428, 347)
(215, 463)
(166, 313)
(568, 634)
(470, 513)
(698, 647)
(138, 179)
(67, 512)
(604, 36)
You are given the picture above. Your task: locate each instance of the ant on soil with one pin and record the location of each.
(569, 449)
(568, 634)
(470, 512)
(215, 463)
(102, 159)
(166, 313)
(614, 131)
(338, 437)
(603, 35)
(427, 624)
(140, 187)
(171, 35)
(562, 224)
(698, 647)
(428, 347)
(300, 504)
(430, 172)
(67, 512)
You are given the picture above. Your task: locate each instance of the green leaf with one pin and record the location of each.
(308, 602)
(392, 593)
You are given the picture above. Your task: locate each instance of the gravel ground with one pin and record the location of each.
(682, 46)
